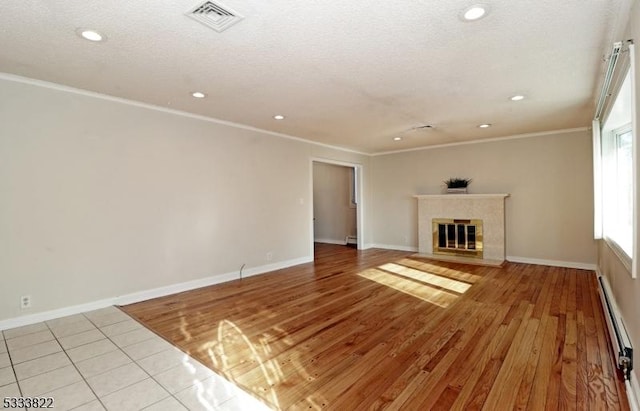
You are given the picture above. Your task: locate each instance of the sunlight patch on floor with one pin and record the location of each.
(264, 375)
(440, 270)
(229, 334)
(426, 277)
(183, 328)
(411, 287)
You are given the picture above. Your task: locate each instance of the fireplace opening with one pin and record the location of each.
(457, 237)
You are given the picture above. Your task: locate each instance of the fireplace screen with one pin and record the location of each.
(457, 237)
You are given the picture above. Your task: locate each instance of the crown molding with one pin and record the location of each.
(68, 89)
(486, 140)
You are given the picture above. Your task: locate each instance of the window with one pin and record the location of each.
(618, 174)
(618, 188)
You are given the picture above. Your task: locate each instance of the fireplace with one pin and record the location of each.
(473, 231)
(457, 237)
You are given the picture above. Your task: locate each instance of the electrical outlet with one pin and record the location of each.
(269, 256)
(25, 302)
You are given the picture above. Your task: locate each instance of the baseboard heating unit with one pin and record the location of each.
(620, 341)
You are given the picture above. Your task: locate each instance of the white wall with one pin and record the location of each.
(625, 289)
(101, 198)
(334, 218)
(549, 215)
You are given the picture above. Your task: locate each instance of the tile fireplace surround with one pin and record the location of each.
(486, 207)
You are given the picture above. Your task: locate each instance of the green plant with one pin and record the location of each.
(457, 182)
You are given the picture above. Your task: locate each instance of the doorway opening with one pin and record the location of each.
(336, 203)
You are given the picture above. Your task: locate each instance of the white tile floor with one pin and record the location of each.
(105, 360)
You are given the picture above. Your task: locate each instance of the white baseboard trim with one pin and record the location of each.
(174, 288)
(394, 247)
(263, 269)
(147, 294)
(552, 263)
(57, 313)
(633, 393)
(207, 281)
(329, 241)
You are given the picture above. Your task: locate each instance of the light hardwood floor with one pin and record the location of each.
(379, 329)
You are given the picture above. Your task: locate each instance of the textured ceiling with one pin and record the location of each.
(352, 74)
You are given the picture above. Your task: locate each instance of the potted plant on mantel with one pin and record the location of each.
(457, 185)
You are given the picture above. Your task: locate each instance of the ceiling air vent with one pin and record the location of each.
(215, 15)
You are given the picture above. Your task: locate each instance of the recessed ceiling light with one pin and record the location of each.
(397, 138)
(474, 12)
(278, 117)
(198, 94)
(91, 35)
(486, 125)
(517, 97)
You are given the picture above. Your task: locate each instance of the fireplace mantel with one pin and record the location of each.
(489, 208)
(461, 196)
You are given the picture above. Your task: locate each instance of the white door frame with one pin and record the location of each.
(359, 197)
